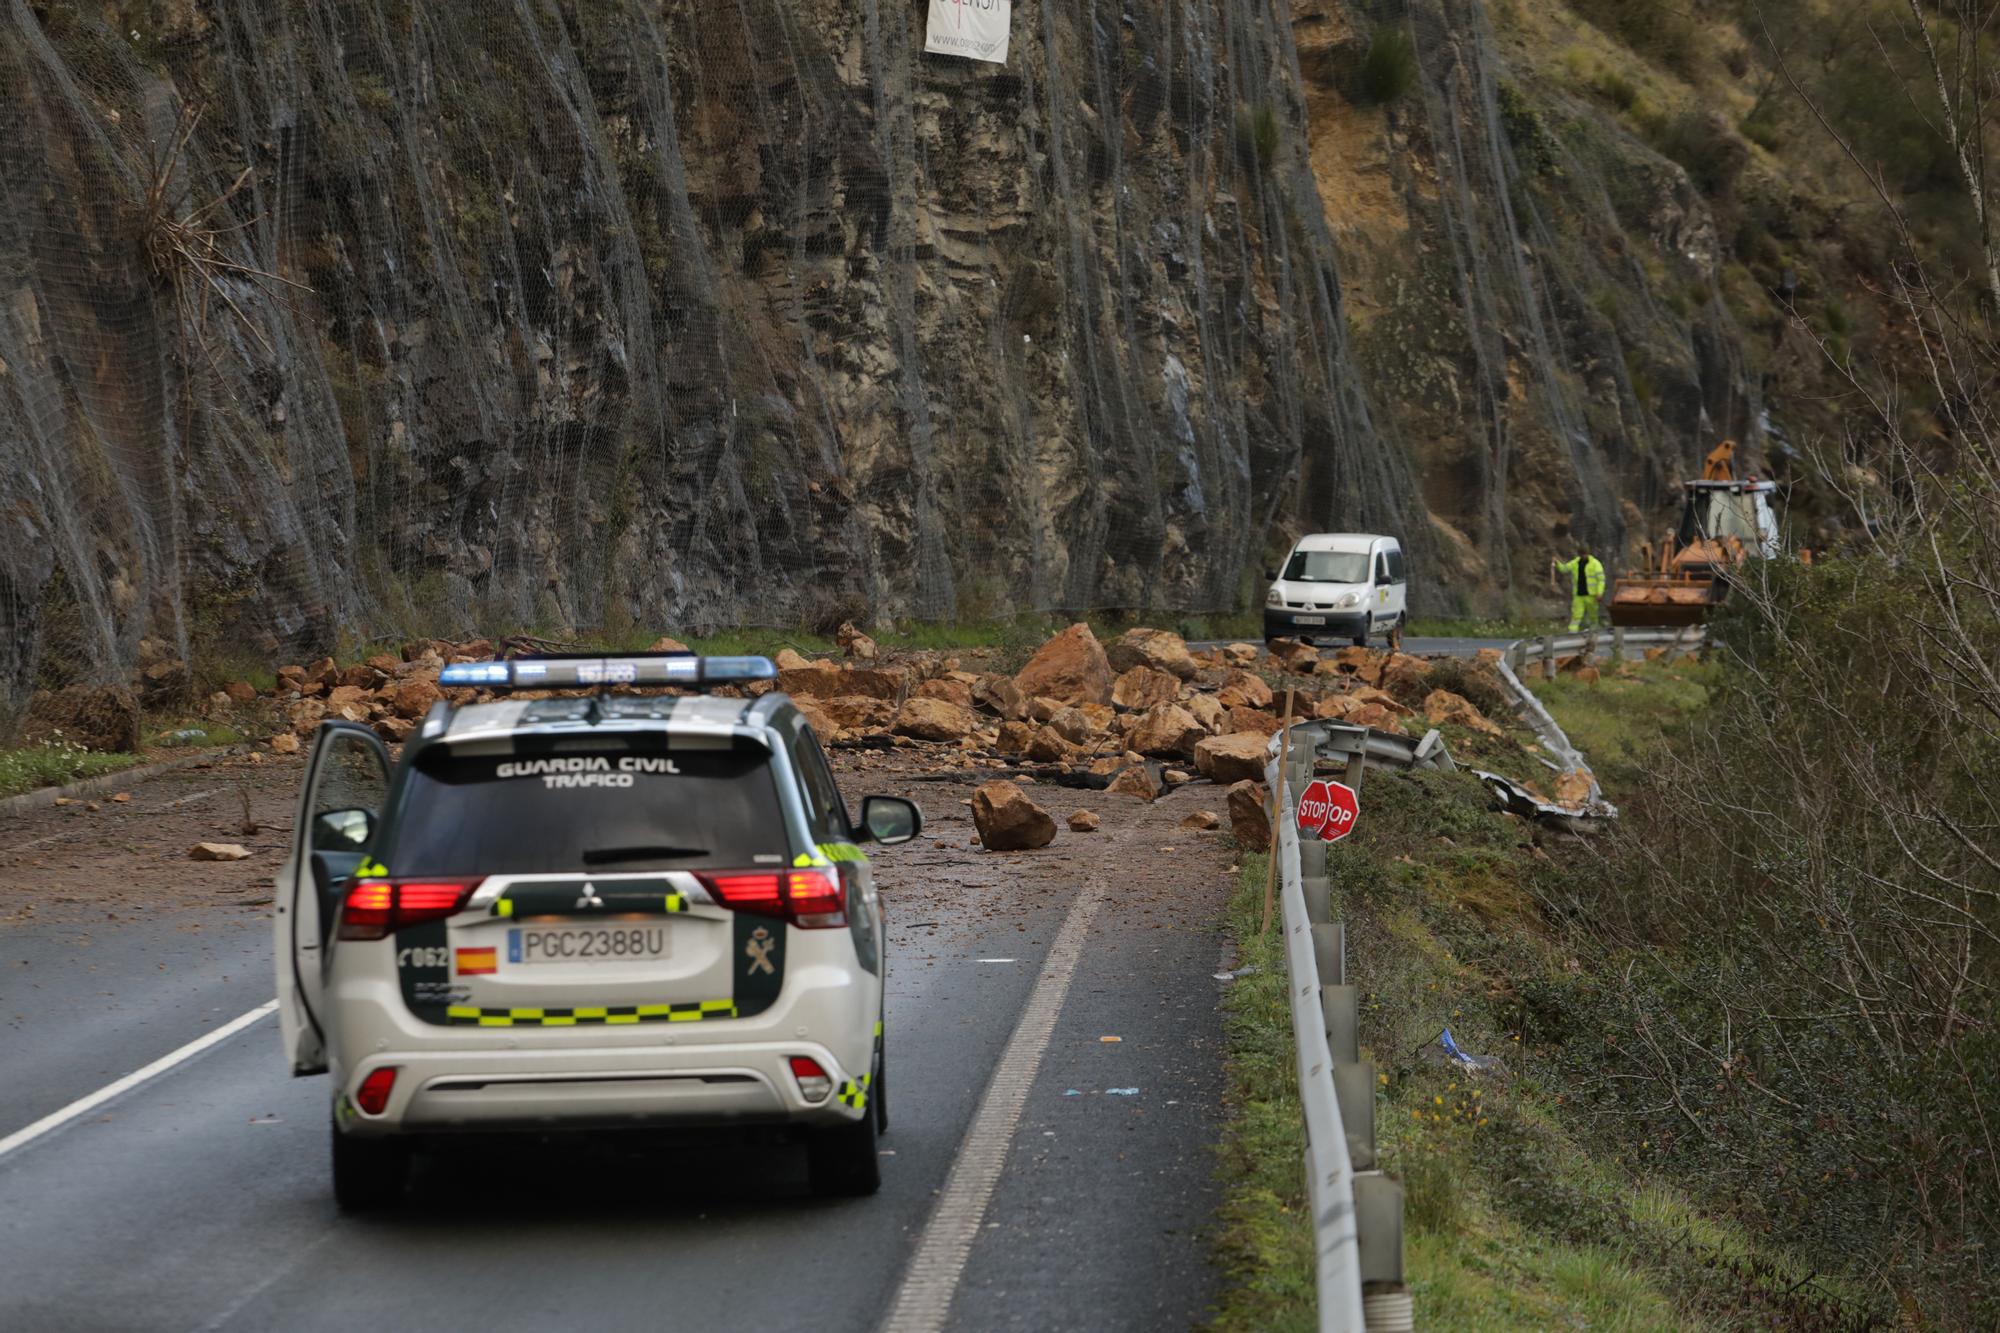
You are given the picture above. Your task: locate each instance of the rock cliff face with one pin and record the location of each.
(321, 323)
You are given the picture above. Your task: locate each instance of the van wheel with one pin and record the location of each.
(1367, 629)
(368, 1174)
(841, 1161)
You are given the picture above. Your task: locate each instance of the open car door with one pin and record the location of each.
(340, 806)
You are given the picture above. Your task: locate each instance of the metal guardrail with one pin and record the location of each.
(1357, 1211)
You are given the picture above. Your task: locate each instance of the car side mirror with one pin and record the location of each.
(342, 830)
(890, 819)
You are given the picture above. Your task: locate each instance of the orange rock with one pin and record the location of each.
(1007, 820)
(1250, 815)
(1167, 731)
(1230, 758)
(1071, 668)
(1143, 687)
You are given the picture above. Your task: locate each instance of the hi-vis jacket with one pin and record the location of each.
(1591, 583)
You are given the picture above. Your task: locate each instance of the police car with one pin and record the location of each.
(586, 912)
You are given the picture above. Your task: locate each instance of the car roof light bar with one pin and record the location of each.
(569, 672)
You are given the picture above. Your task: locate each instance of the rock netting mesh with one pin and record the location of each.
(328, 323)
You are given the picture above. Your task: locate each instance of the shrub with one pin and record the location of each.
(1257, 136)
(1663, 33)
(1390, 68)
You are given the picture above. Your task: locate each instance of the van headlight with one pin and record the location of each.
(1350, 599)
(1274, 598)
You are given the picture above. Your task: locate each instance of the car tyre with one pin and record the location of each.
(1367, 630)
(841, 1162)
(368, 1174)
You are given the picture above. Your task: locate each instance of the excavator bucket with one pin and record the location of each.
(1639, 600)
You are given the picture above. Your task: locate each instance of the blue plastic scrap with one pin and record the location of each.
(1462, 1057)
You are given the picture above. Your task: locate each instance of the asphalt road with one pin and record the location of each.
(1416, 647)
(199, 1200)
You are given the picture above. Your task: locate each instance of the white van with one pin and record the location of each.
(1338, 585)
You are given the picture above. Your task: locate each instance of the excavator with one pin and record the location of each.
(1724, 521)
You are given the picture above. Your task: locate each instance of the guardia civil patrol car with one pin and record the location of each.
(587, 912)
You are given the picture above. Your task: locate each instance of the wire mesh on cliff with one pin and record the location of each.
(322, 324)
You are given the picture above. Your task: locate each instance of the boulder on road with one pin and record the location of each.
(394, 730)
(1240, 654)
(1015, 737)
(1161, 650)
(791, 659)
(1242, 687)
(240, 692)
(823, 726)
(305, 716)
(1254, 720)
(1084, 821)
(854, 643)
(935, 720)
(1070, 668)
(1048, 746)
(284, 743)
(829, 682)
(1249, 815)
(1294, 655)
(1140, 780)
(668, 644)
(1202, 819)
(1167, 731)
(1007, 821)
(411, 698)
(947, 689)
(1230, 758)
(1207, 711)
(218, 851)
(853, 712)
(1144, 687)
(999, 696)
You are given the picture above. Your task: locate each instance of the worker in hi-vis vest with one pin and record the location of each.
(1584, 577)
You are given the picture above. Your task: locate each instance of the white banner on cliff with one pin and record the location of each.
(975, 29)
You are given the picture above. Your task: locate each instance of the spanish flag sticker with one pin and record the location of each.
(478, 962)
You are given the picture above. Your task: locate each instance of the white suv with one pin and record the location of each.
(586, 912)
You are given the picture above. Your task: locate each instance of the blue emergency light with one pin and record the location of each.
(590, 671)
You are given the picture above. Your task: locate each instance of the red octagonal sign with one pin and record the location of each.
(1328, 810)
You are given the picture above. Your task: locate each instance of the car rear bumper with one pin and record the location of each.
(442, 1092)
(1285, 623)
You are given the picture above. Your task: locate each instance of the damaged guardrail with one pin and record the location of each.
(1357, 1210)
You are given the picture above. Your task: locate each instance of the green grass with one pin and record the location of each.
(1264, 1242)
(212, 734)
(1620, 721)
(1476, 627)
(34, 766)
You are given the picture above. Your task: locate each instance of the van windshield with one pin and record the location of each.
(1328, 567)
(609, 810)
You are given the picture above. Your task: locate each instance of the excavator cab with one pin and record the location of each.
(1724, 521)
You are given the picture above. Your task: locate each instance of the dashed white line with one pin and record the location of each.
(923, 1299)
(55, 1120)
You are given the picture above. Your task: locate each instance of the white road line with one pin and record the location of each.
(923, 1300)
(55, 1120)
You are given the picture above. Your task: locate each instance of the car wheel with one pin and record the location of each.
(841, 1161)
(1367, 629)
(368, 1174)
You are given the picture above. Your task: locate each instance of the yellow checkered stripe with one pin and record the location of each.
(854, 1094)
(610, 1015)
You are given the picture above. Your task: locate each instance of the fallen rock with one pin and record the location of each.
(934, 720)
(947, 689)
(1490, 656)
(1230, 758)
(1249, 815)
(1070, 668)
(1207, 711)
(325, 671)
(1363, 663)
(1573, 788)
(360, 676)
(1084, 821)
(999, 696)
(1240, 654)
(854, 643)
(1048, 746)
(218, 851)
(1007, 821)
(413, 696)
(1254, 720)
(1294, 655)
(663, 644)
(164, 681)
(1144, 687)
(1202, 819)
(1015, 737)
(1176, 777)
(1074, 725)
(97, 717)
(1402, 673)
(830, 681)
(1160, 649)
(394, 730)
(816, 717)
(305, 715)
(1139, 780)
(854, 712)
(1242, 687)
(1167, 731)
(284, 743)
(1441, 706)
(240, 692)
(340, 697)
(791, 659)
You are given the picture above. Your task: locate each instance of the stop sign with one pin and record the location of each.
(1328, 810)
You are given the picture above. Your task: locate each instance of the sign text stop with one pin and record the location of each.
(1328, 810)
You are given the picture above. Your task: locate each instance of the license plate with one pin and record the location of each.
(587, 944)
(1308, 620)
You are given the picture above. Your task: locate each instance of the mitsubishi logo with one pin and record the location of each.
(589, 898)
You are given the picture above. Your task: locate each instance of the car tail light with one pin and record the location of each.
(814, 1082)
(810, 899)
(377, 908)
(373, 1094)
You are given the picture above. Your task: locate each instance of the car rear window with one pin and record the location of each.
(605, 810)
